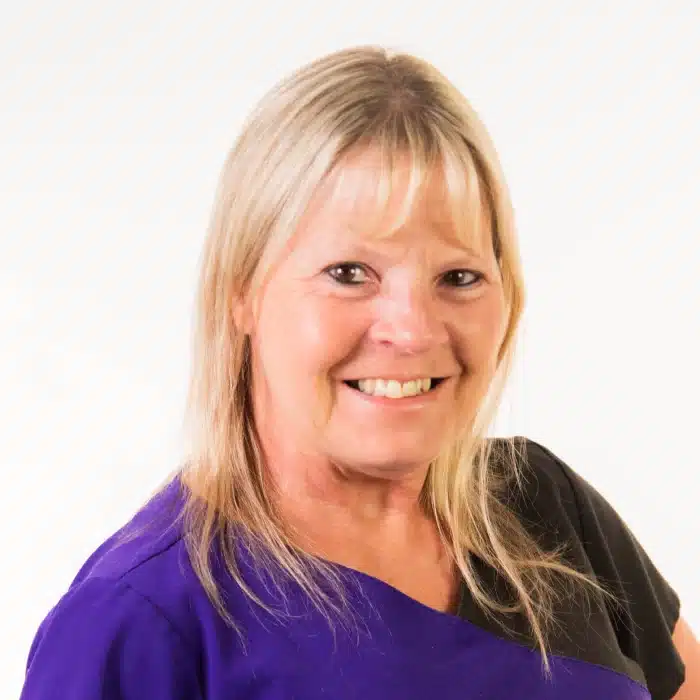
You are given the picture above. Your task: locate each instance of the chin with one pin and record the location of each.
(400, 446)
(389, 461)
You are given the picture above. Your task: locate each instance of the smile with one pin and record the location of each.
(394, 389)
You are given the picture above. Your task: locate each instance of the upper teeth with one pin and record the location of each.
(394, 389)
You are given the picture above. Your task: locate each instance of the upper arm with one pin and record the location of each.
(103, 641)
(689, 650)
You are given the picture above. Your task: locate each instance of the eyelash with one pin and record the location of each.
(347, 266)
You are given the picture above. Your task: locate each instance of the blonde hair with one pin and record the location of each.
(300, 131)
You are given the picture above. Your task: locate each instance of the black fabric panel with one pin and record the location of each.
(633, 636)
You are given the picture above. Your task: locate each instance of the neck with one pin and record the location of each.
(323, 487)
(338, 514)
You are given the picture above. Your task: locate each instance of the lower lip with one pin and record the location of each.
(405, 402)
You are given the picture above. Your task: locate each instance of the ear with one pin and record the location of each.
(243, 316)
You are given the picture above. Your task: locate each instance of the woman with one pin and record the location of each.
(343, 527)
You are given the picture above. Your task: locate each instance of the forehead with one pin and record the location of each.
(363, 198)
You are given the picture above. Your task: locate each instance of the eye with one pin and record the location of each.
(462, 278)
(349, 273)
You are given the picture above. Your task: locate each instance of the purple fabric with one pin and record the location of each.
(136, 624)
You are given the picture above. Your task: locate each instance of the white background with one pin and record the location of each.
(114, 120)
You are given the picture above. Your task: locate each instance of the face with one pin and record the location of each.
(368, 350)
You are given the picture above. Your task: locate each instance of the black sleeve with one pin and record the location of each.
(648, 607)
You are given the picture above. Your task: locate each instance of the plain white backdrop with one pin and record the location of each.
(114, 121)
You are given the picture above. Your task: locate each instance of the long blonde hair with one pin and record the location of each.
(298, 133)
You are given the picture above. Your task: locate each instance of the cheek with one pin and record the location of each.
(307, 336)
(300, 342)
(480, 334)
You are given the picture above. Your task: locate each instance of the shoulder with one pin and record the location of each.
(560, 507)
(553, 494)
(152, 533)
(557, 502)
(545, 475)
(147, 555)
(127, 617)
(545, 496)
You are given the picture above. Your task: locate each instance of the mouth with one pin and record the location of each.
(395, 389)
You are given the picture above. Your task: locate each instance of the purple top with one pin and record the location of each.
(136, 624)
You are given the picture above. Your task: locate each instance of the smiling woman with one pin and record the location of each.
(343, 527)
(365, 306)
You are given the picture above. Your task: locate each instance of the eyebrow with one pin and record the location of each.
(364, 248)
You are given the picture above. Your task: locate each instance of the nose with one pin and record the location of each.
(410, 321)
